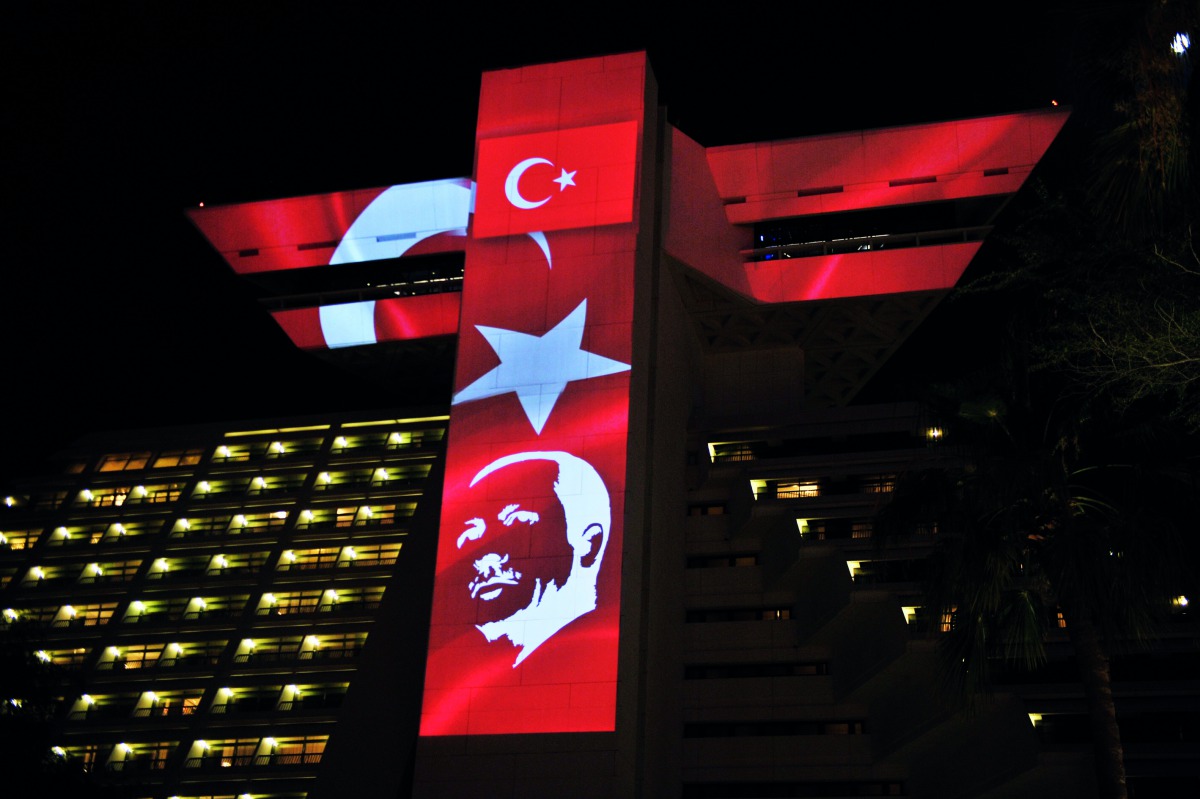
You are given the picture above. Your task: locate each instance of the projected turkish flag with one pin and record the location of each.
(525, 625)
(563, 179)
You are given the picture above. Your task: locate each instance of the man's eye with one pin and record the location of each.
(526, 516)
(475, 530)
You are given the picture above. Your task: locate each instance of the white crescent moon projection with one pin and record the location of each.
(513, 193)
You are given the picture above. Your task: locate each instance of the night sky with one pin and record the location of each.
(119, 116)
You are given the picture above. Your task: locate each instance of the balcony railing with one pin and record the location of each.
(253, 761)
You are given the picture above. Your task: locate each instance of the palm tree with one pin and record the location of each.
(1041, 531)
(1062, 511)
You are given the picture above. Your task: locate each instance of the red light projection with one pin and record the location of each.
(860, 274)
(526, 610)
(556, 180)
(740, 185)
(338, 228)
(343, 228)
(393, 319)
(871, 169)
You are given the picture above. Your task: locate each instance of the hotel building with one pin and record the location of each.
(275, 610)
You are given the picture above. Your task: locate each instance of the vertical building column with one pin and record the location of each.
(526, 621)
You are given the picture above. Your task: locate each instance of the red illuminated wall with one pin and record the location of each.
(749, 183)
(541, 409)
(331, 230)
(394, 319)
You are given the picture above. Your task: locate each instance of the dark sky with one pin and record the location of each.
(119, 116)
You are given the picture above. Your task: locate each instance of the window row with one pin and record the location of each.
(792, 488)
(201, 608)
(206, 654)
(225, 701)
(238, 451)
(254, 486)
(183, 567)
(229, 524)
(200, 754)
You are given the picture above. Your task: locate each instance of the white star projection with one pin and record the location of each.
(538, 368)
(565, 179)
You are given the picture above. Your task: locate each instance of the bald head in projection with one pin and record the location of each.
(536, 558)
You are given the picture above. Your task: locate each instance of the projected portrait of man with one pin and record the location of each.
(534, 562)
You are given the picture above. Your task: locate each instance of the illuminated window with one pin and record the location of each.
(329, 481)
(124, 461)
(332, 647)
(13, 540)
(268, 650)
(64, 658)
(261, 485)
(154, 704)
(372, 515)
(42, 615)
(371, 555)
(730, 452)
(214, 607)
(237, 562)
(237, 524)
(306, 751)
(230, 753)
(862, 529)
(408, 439)
(85, 757)
(305, 559)
(37, 575)
(111, 572)
(812, 529)
(86, 615)
(797, 490)
(140, 656)
(351, 600)
(292, 602)
(947, 621)
(226, 453)
(84, 707)
(105, 497)
(118, 496)
(181, 457)
(193, 655)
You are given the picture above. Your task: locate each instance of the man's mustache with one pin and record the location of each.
(499, 579)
